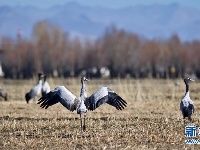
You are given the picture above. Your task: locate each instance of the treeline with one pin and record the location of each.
(115, 54)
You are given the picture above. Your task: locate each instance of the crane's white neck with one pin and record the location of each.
(83, 93)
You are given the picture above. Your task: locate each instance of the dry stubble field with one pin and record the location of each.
(151, 120)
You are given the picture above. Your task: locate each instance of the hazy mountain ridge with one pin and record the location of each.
(159, 21)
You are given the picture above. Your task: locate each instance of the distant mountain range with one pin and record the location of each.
(150, 21)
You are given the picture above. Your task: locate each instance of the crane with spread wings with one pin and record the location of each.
(82, 103)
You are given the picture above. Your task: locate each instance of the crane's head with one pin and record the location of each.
(84, 79)
(187, 80)
(40, 76)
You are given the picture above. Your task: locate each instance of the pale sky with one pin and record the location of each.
(105, 3)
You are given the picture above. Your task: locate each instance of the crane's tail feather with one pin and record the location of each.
(27, 97)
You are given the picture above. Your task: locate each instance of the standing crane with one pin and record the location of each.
(45, 87)
(186, 105)
(83, 103)
(36, 90)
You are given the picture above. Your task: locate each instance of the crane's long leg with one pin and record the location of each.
(84, 127)
(81, 122)
(190, 118)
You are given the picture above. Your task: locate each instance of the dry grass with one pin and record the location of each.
(152, 119)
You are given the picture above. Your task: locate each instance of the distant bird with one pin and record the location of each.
(83, 103)
(36, 90)
(186, 105)
(45, 87)
(3, 94)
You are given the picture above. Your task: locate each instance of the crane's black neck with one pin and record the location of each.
(187, 87)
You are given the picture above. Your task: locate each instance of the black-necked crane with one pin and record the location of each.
(36, 90)
(45, 87)
(3, 94)
(186, 105)
(83, 103)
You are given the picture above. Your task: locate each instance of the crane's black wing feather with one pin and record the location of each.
(105, 95)
(62, 95)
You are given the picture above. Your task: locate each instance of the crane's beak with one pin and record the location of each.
(192, 80)
(87, 79)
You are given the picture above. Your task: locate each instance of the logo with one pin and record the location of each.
(191, 132)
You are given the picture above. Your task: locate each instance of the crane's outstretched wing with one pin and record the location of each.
(62, 95)
(105, 95)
